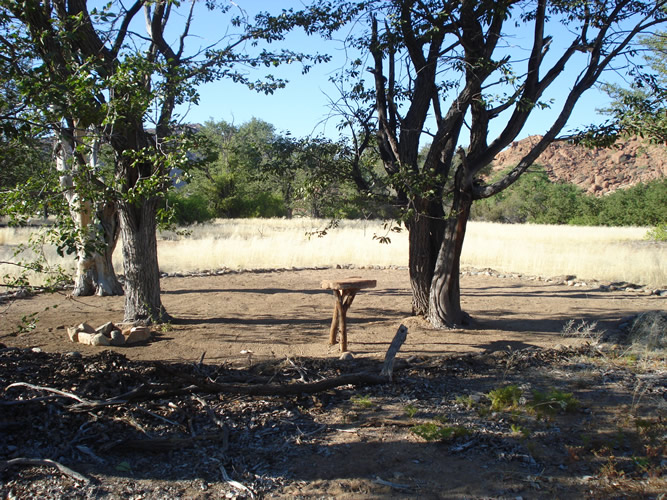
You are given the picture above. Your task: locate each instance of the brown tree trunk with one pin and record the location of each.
(138, 225)
(445, 293)
(425, 232)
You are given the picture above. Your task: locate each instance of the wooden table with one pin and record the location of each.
(344, 291)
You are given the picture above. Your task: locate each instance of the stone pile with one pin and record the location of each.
(109, 334)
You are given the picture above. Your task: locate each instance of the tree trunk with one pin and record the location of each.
(96, 241)
(445, 293)
(138, 225)
(106, 281)
(95, 274)
(425, 232)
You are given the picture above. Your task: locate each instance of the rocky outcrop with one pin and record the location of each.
(597, 170)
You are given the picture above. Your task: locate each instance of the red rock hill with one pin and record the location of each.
(595, 170)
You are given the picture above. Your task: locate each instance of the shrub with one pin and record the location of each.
(432, 431)
(553, 401)
(189, 209)
(505, 397)
(658, 233)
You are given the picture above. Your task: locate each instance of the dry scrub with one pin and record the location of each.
(591, 253)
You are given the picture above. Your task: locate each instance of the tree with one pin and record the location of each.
(259, 172)
(90, 71)
(442, 61)
(640, 109)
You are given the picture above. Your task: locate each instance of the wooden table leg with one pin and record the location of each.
(343, 302)
(336, 314)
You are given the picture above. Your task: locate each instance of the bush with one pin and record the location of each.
(188, 209)
(534, 198)
(658, 233)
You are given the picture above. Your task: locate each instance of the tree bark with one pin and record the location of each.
(425, 233)
(96, 240)
(445, 292)
(138, 225)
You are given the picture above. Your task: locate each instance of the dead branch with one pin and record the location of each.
(396, 343)
(43, 462)
(48, 389)
(157, 445)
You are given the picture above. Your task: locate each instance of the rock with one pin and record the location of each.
(137, 334)
(86, 328)
(73, 354)
(86, 338)
(99, 339)
(117, 338)
(106, 329)
(73, 334)
(346, 356)
(36, 349)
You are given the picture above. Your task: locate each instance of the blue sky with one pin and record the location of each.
(303, 106)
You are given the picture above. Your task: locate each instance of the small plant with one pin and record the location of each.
(582, 329)
(432, 431)
(503, 398)
(658, 233)
(362, 401)
(649, 331)
(466, 401)
(165, 327)
(518, 429)
(410, 411)
(553, 402)
(442, 419)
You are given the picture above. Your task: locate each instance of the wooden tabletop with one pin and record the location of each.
(348, 284)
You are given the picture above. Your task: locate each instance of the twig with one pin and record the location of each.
(235, 484)
(397, 486)
(29, 401)
(299, 369)
(44, 462)
(49, 389)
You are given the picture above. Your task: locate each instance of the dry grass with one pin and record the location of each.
(607, 254)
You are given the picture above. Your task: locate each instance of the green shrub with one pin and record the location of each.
(189, 209)
(553, 401)
(505, 397)
(432, 431)
(658, 233)
(536, 199)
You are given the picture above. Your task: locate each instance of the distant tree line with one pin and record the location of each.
(251, 170)
(536, 199)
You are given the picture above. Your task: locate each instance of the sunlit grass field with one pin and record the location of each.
(600, 253)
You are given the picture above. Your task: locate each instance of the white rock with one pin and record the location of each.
(137, 334)
(100, 339)
(86, 328)
(86, 338)
(106, 329)
(346, 355)
(117, 338)
(73, 334)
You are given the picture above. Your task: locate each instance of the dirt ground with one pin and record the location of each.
(353, 441)
(287, 314)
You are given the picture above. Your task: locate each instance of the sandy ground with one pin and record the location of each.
(348, 443)
(267, 315)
